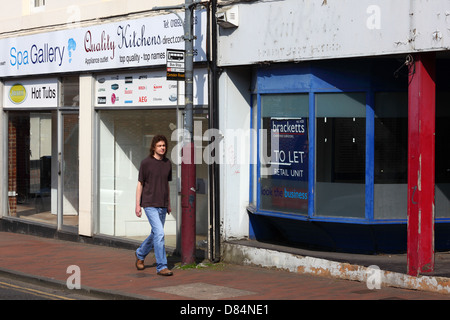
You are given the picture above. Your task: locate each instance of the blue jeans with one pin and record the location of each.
(157, 218)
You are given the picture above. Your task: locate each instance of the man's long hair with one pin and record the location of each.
(155, 140)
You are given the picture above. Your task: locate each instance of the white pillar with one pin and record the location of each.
(3, 158)
(86, 163)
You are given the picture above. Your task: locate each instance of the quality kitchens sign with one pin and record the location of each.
(31, 93)
(124, 44)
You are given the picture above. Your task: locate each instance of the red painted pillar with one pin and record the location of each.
(421, 176)
(188, 204)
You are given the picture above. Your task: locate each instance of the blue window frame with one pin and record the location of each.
(341, 119)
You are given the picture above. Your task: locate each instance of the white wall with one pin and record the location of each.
(294, 30)
(234, 117)
(86, 143)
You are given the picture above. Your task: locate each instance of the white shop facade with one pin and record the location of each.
(79, 109)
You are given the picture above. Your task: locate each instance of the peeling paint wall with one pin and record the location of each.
(295, 30)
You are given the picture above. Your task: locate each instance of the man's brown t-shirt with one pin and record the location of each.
(154, 175)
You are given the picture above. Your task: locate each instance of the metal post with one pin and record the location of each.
(188, 172)
(421, 155)
(214, 221)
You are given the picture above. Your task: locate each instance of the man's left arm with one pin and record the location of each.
(169, 209)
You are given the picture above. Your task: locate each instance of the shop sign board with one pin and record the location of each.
(134, 90)
(300, 30)
(146, 89)
(124, 44)
(31, 93)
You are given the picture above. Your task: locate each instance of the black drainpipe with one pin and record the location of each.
(214, 188)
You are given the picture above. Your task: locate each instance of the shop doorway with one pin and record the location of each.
(31, 180)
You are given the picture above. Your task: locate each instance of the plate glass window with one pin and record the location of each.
(340, 154)
(284, 144)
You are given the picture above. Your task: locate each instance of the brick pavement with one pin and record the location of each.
(111, 270)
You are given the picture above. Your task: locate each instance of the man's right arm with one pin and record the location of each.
(138, 199)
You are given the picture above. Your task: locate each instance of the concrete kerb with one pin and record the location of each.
(372, 276)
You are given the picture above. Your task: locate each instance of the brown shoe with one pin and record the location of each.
(139, 263)
(165, 272)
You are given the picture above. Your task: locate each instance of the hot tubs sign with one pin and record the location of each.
(31, 93)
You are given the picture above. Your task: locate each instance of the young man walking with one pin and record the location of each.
(153, 194)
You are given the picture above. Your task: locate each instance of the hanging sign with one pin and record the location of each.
(175, 64)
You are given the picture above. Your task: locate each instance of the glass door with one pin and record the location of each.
(69, 170)
(32, 176)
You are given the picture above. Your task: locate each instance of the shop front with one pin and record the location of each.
(80, 108)
(43, 150)
(325, 88)
(131, 108)
(332, 146)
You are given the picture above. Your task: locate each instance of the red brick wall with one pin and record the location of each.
(12, 167)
